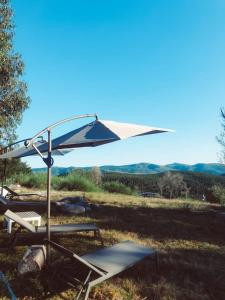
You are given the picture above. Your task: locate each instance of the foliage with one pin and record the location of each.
(32, 180)
(197, 183)
(96, 175)
(9, 169)
(194, 184)
(172, 185)
(71, 182)
(221, 137)
(218, 192)
(74, 182)
(13, 98)
(142, 183)
(117, 187)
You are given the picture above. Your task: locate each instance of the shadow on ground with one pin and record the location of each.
(163, 224)
(183, 273)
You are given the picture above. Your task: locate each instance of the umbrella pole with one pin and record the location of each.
(4, 176)
(49, 192)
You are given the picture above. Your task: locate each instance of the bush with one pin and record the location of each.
(73, 182)
(33, 180)
(117, 187)
(218, 192)
(70, 182)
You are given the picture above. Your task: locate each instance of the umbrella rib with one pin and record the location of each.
(30, 141)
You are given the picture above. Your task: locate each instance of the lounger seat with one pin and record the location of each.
(119, 257)
(105, 263)
(55, 229)
(69, 227)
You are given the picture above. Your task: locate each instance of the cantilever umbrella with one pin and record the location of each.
(96, 133)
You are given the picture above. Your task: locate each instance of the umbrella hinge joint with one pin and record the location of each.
(49, 161)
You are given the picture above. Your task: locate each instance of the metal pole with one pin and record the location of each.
(49, 191)
(4, 175)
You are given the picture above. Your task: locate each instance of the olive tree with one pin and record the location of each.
(96, 175)
(221, 137)
(172, 185)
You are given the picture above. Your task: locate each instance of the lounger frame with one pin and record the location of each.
(12, 194)
(8, 203)
(56, 229)
(100, 275)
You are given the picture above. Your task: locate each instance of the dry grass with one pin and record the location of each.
(189, 236)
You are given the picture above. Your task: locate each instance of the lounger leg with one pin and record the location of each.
(14, 238)
(157, 261)
(87, 292)
(83, 286)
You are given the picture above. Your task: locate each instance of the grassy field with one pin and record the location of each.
(189, 236)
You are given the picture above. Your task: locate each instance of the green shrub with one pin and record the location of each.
(70, 182)
(73, 182)
(218, 192)
(33, 180)
(117, 187)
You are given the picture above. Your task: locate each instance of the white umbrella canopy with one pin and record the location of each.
(93, 134)
(23, 151)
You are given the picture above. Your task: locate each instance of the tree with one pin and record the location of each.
(221, 137)
(96, 175)
(218, 192)
(13, 98)
(172, 185)
(11, 167)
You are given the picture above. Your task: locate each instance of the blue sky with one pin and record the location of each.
(158, 63)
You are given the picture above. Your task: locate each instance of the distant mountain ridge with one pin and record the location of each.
(147, 168)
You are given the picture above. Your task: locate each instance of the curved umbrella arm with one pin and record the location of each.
(3, 150)
(29, 142)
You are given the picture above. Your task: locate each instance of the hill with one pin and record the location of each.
(147, 168)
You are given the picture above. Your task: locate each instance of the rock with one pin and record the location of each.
(73, 205)
(73, 209)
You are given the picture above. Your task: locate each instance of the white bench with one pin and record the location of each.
(30, 216)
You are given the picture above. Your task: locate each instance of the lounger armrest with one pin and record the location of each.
(9, 190)
(74, 256)
(60, 248)
(17, 219)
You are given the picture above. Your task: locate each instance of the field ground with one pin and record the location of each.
(189, 236)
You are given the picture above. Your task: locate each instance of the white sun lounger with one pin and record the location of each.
(55, 229)
(105, 263)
